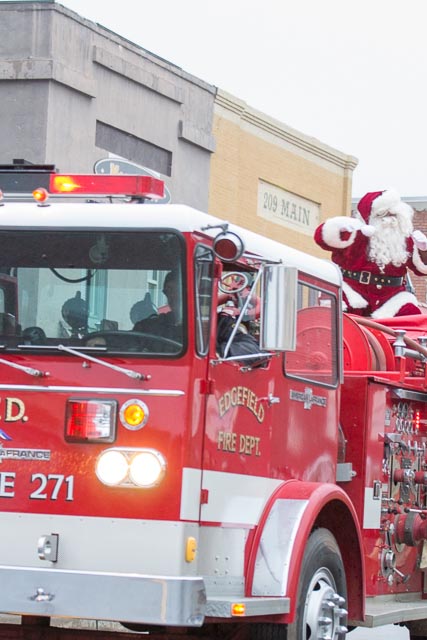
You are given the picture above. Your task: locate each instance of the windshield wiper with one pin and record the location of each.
(49, 347)
(128, 372)
(29, 370)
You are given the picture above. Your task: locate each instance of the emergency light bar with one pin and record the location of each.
(28, 180)
(127, 185)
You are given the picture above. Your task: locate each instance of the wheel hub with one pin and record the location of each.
(324, 615)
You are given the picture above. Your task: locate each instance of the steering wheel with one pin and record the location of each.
(132, 340)
(233, 282)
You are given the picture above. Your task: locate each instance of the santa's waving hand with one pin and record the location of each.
(374, 251)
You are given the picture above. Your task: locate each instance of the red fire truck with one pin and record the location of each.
(152, 482)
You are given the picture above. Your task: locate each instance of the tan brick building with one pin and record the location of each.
(272, 179)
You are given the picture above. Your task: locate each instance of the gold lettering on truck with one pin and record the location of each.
(14, 410)
(244, 444)
(243, 397)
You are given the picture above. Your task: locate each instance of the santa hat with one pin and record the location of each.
(378, 203)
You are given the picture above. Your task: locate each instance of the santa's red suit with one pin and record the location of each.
(374, 251)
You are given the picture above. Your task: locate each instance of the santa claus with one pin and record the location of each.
(374, 249)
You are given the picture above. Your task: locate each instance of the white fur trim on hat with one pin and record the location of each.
(390, 200)
(418, 263)
(392, 306)
(331, 232)
(354, 299)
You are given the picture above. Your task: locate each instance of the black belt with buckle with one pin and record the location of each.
(366, 277)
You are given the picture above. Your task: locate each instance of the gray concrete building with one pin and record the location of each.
(73, 93)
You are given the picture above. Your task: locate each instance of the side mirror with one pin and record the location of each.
(279, 308)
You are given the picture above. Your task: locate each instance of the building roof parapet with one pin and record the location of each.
(52, 5)
(280, 130)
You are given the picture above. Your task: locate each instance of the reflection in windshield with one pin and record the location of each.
(110, 290)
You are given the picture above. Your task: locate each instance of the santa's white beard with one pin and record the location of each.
(388, 244)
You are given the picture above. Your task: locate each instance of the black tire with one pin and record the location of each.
(322, 594)
(322, 591)
(417, 629)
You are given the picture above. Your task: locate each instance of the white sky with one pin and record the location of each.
(351, 73)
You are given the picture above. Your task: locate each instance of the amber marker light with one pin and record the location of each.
(190, 549)
(134, 414)
(238, 609)
(40, 195)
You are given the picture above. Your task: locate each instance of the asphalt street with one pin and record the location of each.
(387, 632)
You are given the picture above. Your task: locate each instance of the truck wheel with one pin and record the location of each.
(322, 591)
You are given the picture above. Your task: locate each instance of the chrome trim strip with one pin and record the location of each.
(107, 390)
(221, 607)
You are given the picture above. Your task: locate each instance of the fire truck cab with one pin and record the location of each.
(157, 478)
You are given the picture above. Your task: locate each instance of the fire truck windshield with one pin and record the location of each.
(113, 291)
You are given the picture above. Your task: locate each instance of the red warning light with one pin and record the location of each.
(96, 184)
(40, 194)
(90, 421)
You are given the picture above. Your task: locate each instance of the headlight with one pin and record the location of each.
(112, 467)
(131, 467)
(147, 468)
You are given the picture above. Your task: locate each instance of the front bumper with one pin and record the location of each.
(158, 600)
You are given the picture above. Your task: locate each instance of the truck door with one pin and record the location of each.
(238, 415)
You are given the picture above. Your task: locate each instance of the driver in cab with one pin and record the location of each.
(169, 324)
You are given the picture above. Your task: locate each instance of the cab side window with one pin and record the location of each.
(315, 358)
(203, 287)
